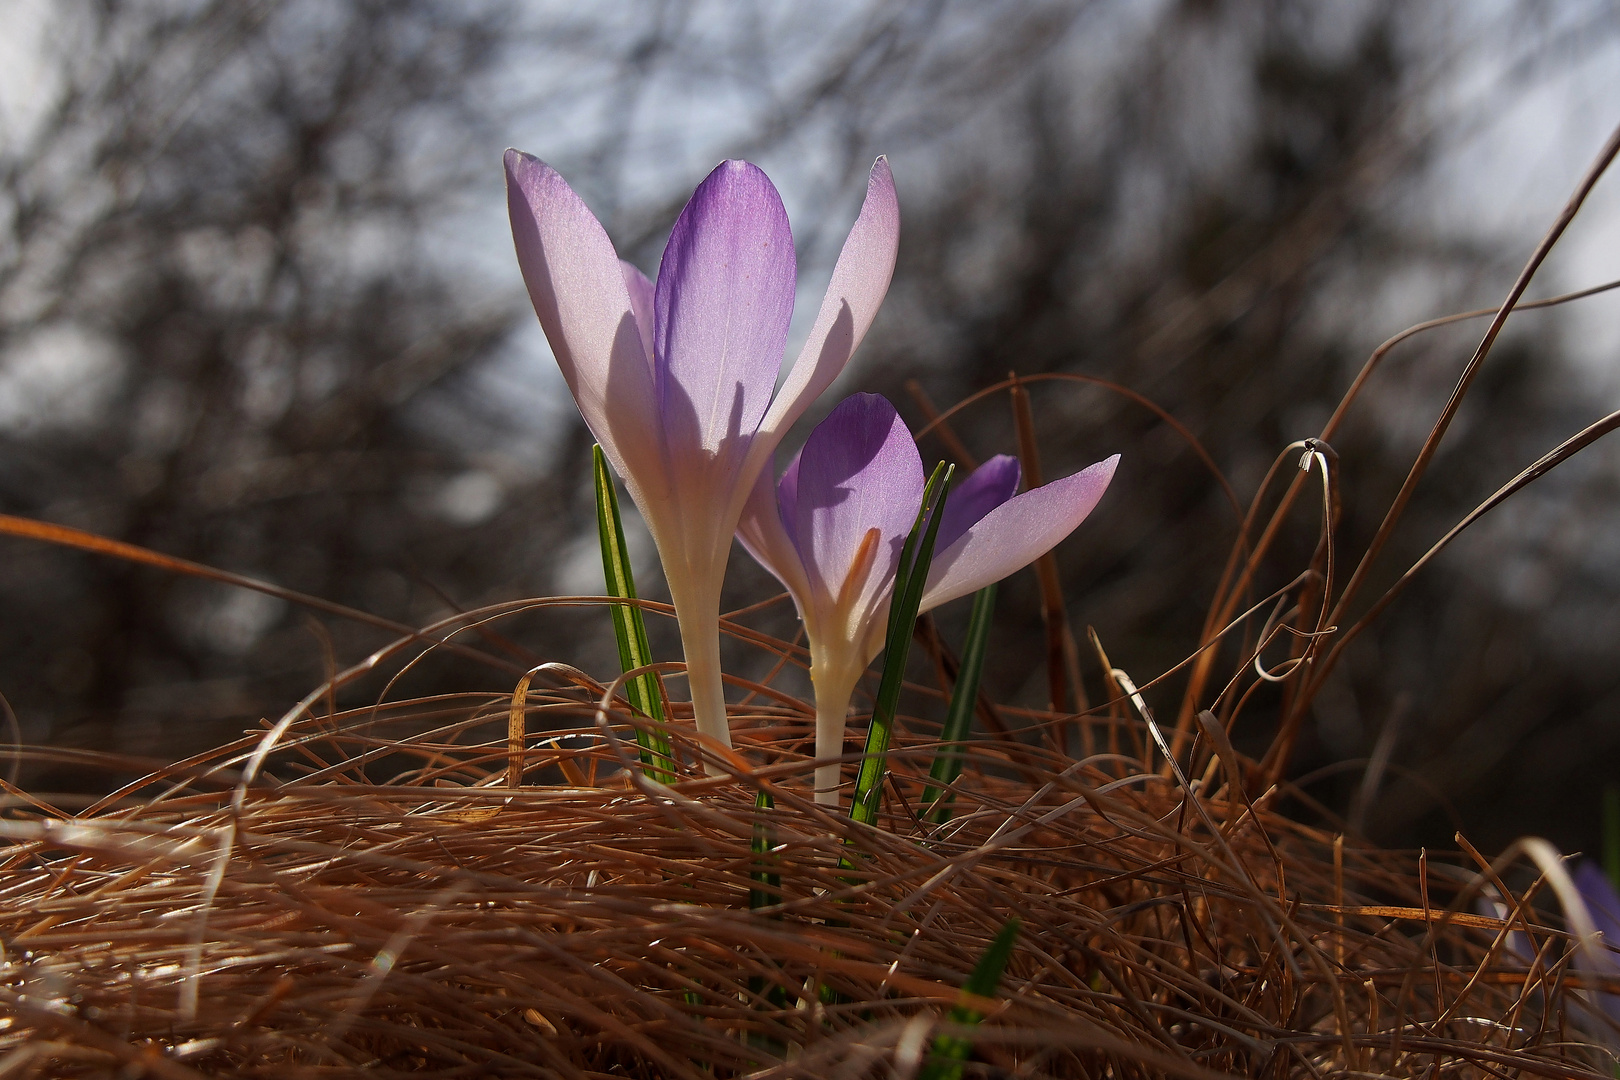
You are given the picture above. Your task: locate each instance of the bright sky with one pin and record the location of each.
(1505, 174)
(1510, 175)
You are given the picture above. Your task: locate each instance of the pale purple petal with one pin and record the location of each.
(722, 304)
(1603, 904)
(1490, 905)
(787, 496)
(985, 488)
(763, 535)
(1016, 533)
(641, 305)
(860, 280)
(1601, 900)
(859, 470)
(579, 292)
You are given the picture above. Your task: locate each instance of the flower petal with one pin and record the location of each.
(578, 290)
(787, 495)
(860, 280)
(721, 309)
(859, 471)
(1601, 899)
(1016, 533)
(985, 488)
(765, 535)
(641, 305)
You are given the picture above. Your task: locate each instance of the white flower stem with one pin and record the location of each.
(700, 639)
(832, 714)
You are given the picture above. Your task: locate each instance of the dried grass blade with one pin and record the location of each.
(517, 731)
(95, 544)
(1533, 472)
(947, 435)
(1062, 652)
(1431, 445)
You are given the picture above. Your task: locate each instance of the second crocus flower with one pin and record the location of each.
(832, 528)
(1603, 906)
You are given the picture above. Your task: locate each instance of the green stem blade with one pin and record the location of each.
(643, 690)
(964, 696)
(766, 891)
(950, 1051)
(909, 579)
(767, 885)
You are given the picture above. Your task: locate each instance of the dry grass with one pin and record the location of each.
(389, 905)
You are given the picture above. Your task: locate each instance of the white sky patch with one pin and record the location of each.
(1522, 151)
(1503, 171)
(470, 498)
(234, 620)
(57, 376)
(26, 89)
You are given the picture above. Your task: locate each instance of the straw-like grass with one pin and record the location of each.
(401, 909)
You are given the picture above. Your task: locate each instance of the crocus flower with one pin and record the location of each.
(832, 528)
(1603, 905)
(675, 378)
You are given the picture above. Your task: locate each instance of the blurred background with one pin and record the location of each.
(259, 309)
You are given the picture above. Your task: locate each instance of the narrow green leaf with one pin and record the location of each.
(959, 718)
(986, 977)
(643, 691)
(766, 884)
(950, 1051)
(909, 579)
(766, 892)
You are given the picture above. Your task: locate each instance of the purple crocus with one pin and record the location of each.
(832, 528)
(1597, 892)
(675, 379)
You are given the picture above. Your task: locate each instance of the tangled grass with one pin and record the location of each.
(369, 894)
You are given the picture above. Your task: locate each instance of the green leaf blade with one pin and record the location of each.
(643, 691)
(767, 884)
(959, 718)
(950, 1051)
(911, 576)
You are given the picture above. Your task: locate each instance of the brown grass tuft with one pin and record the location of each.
(399, 910)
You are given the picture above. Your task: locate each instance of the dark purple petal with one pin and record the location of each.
(859, 471)
(1016, 533)
(985, 488)
(579, 292)
(721, 305)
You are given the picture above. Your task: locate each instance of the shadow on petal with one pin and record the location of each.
(631, 440)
